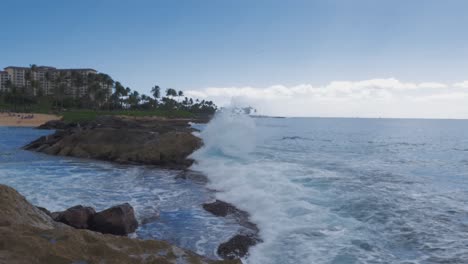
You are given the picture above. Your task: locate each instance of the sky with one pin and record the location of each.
(366, 58)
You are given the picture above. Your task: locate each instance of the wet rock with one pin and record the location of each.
(76, 216)
(124, 140)
(194, 176)
(220, 208)
(223, 209)
(236, 247)
(28, 235)
(117, 220)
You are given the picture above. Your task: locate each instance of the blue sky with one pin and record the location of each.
(192, 45)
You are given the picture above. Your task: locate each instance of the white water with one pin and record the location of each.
(259, 186)
(343, 191)
(321, 190)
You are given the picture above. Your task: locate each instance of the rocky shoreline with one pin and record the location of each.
(29, 235)
(166, 143)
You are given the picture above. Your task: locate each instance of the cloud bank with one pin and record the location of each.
(389, 98)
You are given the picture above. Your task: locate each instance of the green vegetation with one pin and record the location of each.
(103, 96)
(89, 115)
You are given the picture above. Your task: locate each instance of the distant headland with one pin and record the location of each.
(84, 93)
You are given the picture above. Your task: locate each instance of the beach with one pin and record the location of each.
(25, 119)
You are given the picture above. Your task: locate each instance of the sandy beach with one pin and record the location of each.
(25, 119)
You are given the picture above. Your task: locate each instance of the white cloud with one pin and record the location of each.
(368, 98)
(462, 84)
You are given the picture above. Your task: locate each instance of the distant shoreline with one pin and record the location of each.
(25, 119)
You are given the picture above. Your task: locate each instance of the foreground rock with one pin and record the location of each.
(117, 220)
(29, 235)
(165, 143)
(76, 216)
(238, 246)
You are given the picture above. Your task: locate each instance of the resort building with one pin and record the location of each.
(46, 80)
(4, 77)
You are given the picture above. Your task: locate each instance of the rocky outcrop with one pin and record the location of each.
(29, 235)
(117, 220)
(223, 209)
(220, 208)
(238, 246)
(57, 125)
(165, 143)
(76, 216)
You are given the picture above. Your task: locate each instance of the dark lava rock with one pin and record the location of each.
(223, 209)
(76, 216)
(124, 140)
(220, 208)
(193, 176)
(117, 220)
(236, 247)
(57, 125)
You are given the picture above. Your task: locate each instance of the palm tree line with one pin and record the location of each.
(103, 93)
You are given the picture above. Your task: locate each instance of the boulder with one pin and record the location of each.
(28, 235)
(76, 216)
(220, 208)
(117, 220)
(223, 209)
(236, 247)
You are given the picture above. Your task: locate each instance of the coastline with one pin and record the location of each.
(30, 235)
(106, 132)
(28, 120)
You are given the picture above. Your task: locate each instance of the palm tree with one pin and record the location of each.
(30, 76)
(179, 95)
(77, 81)
(59, 88)
(171, 92)
(156, 91)
(119, 91)
(48, 78)
(106, 82)
(134, 99)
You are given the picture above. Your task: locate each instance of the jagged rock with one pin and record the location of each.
(117, 220)
(57, 125)
(47, 212)
(236, 247)
(123, 140)
(193, 176)
(220, 208)
(28, 235)
(223, 209)
(76, 216)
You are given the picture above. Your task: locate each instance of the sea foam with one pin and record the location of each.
(259, 186)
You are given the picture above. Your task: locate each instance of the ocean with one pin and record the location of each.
(321, 190)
